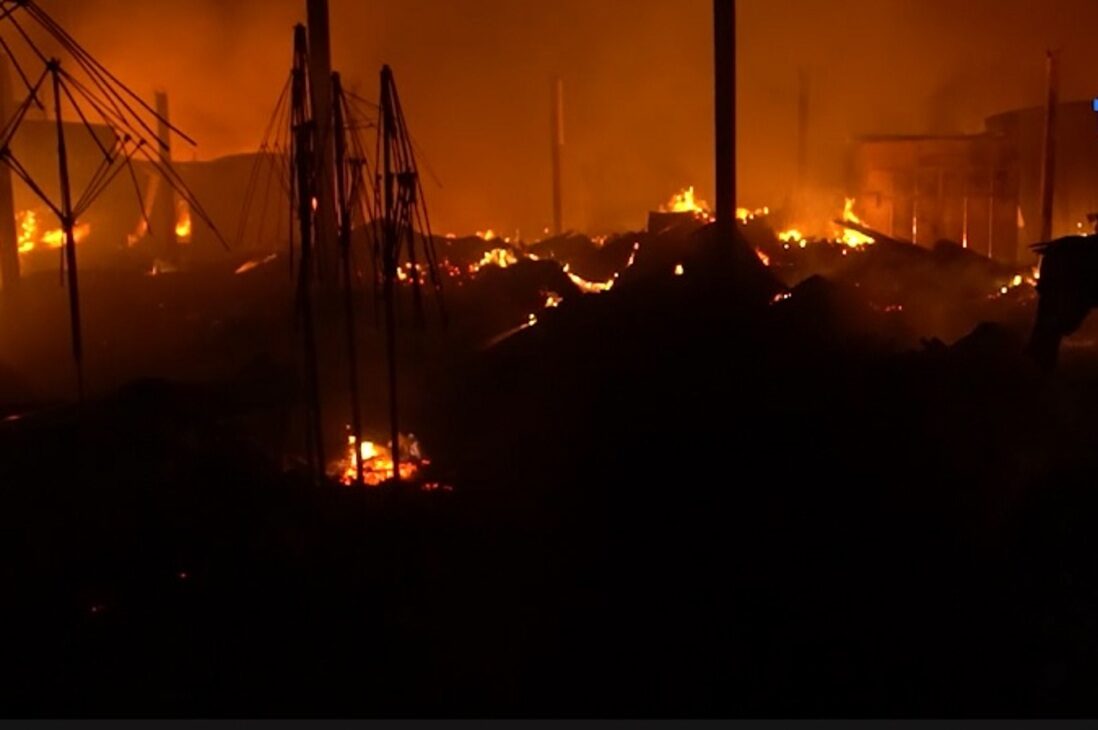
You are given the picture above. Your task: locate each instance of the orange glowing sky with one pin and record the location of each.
(475, 77)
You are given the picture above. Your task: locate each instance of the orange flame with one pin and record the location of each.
(183, 224)
(377, 462)
(56, 237)
(685, 201)
(590, 287)
(501, 257)
(850, 237)
(30, 238)
(28, 230)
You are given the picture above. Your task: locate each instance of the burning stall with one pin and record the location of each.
(961, 188)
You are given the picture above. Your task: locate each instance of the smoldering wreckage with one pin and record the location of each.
(661, 472)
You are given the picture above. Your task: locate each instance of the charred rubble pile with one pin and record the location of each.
(704, 488)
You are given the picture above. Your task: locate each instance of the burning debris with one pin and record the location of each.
(500, 257)
(684, 201)
(254, 264)
(377, 462)
(31, 238)
(850, 236)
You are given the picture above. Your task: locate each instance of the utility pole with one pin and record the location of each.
(320, 84)
(304, 136)
(345, 230)
(1048, 159)
(724, 21)
(558, 157)
(163, 233)
(390, 253)
(9, 235)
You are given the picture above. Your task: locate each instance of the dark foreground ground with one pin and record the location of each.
(676, 498)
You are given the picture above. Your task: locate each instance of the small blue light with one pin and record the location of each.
(1094, 105)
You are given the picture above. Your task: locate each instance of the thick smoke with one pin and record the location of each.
(475, 76)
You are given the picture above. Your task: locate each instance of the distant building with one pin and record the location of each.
(923, 189)
(116, 235)
(981, 191)
(1076, 187)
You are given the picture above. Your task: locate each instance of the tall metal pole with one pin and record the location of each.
(9, 235)
(320, 82)
(390, 255)
(67, 227)
(1048, 160)
(558, 155)
(304, 130)
(724, 21)
(348, 274)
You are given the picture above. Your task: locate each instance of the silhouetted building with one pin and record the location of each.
(924, 189)
(980, 190)
(1076, 186)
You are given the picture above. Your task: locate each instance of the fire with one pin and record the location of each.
(762, 257)
(791, 236)
(183, 224)
(255, 264)
(743, 215)
(30, 238)
(501, 257)
(377, 462)
(679, 270)
(56, 237)
(552, 301)
(590, 287)
(488, 235)
(28, 230)
(685, 202)
(853, 238)
(1017, 281)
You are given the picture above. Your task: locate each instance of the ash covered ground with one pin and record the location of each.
(831, 485)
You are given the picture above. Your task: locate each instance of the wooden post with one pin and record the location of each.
(320, 83)
(724, 20)
(345, 220)
(1048, 159)
(558, 157)
(164, 218)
